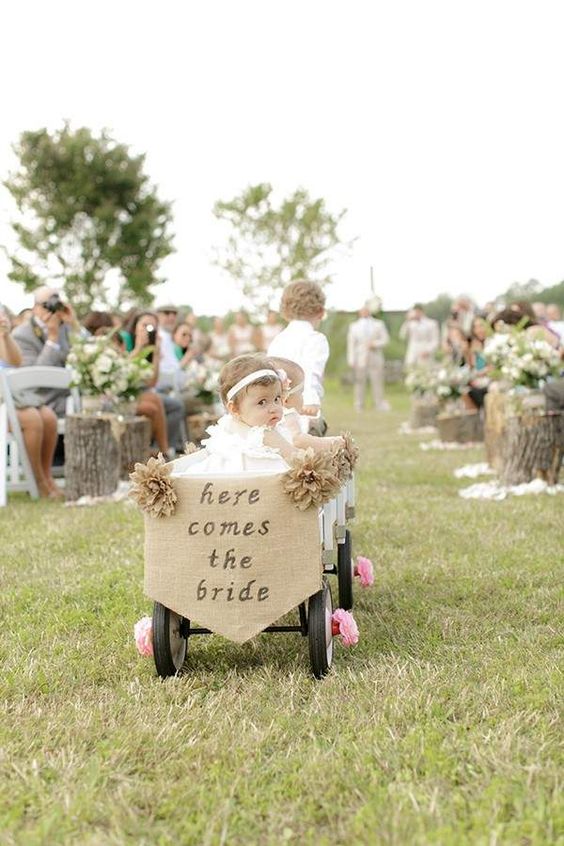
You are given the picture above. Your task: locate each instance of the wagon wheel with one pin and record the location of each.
(320, 631)
(169, 642)
(345, 572)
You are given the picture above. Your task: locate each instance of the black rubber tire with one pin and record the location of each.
(169, 651)
(319, 630)
(345, 572)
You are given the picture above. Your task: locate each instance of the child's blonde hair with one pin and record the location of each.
(240, 367)
(302, 300)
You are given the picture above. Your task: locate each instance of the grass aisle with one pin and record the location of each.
(440, 727)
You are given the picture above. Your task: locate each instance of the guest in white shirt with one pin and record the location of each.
(366, 340)
(422, 335)
(241, 335)
(303, 305)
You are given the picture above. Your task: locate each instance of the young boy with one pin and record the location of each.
(303, 306)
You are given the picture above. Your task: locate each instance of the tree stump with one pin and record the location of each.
(135, 444)
(423, 413)
(494, 427)
(197, 425)
(460, 428)
(92, 455)
(532, 447)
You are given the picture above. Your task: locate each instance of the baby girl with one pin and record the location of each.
(247, 438)
(294, 424)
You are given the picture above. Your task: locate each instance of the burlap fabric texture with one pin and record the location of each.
(235, 556)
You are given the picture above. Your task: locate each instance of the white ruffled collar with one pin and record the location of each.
(230, 435)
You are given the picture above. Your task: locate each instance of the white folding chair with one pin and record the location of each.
(15, 470)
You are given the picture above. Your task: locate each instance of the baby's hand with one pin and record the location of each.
(311, 410)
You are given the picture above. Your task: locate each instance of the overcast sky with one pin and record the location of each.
(438, 125)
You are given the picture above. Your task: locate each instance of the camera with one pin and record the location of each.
(151, 338)
(54, 304)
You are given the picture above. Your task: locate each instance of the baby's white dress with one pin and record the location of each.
(232, 448)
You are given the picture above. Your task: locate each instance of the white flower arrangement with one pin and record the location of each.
(451, 380)
(443, 382)
(421, 381)
(519, 358)
(98, 369)
(203, 378)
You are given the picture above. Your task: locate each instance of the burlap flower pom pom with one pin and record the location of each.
(311, 479)
(351, 449)
(341, 464)
(152, 488)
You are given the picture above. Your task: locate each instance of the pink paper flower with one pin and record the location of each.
(143, 631)
(286, 382)
(344, 625)
(364, 570)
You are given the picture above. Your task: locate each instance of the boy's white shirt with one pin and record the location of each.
(301, 343)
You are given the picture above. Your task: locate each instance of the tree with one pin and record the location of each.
(268, 245)
(439, 308)
(521, 291)
(88, 217)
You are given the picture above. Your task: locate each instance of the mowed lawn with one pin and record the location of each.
(441, 727)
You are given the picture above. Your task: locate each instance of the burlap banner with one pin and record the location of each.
(235, 556)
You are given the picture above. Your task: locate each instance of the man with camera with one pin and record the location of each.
(45, 338)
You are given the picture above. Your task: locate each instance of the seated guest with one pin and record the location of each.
(96, 320)
(479, 383)
(21, 317)
(554, 320)
(44, 339)
(241, 335)
(455, 343)
(142, 333)
(219, 349)
(149, 403)
(522, 315)
(183, 349)
(168, 360)
(198, 337)
(37, 422)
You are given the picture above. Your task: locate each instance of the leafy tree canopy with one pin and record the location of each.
(532, 291)
(268, 245)
(88, 216)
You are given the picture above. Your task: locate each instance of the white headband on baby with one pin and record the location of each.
(248, 380)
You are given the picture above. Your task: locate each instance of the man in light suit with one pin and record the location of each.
(44, 339)
(422, 336)
(366, 340)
